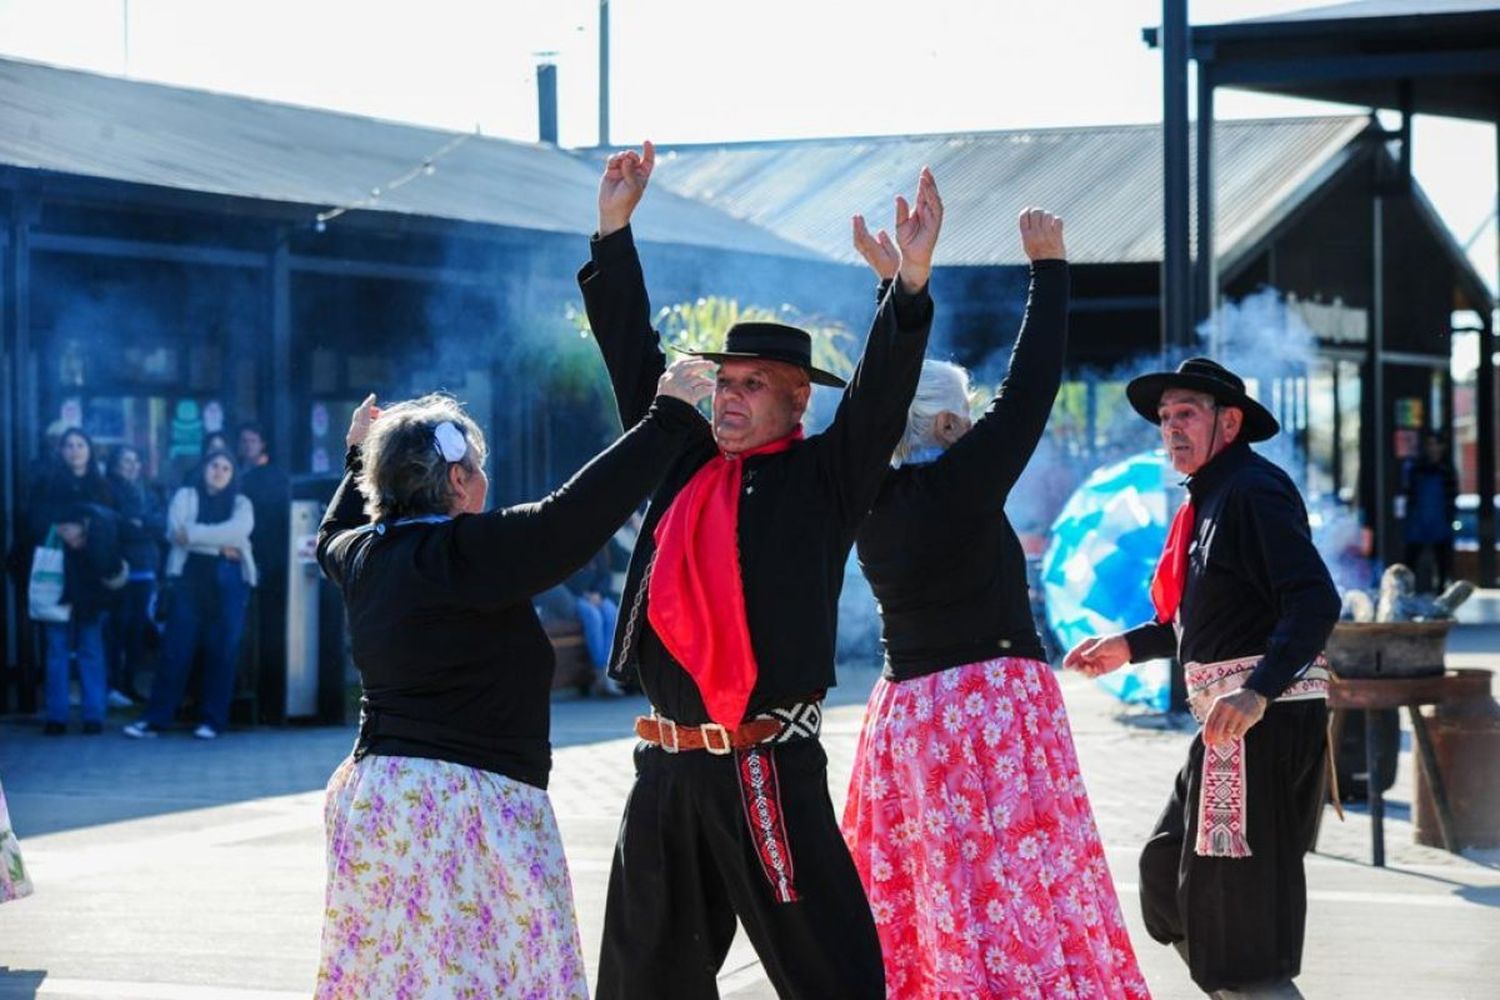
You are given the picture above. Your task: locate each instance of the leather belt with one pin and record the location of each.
(710, 736)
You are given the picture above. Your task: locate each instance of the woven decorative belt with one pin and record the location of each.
(1222, 812)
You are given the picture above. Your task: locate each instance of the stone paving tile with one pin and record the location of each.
(176, 869)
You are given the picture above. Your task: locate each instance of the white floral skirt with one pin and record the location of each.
(444, 881)
(13, 881)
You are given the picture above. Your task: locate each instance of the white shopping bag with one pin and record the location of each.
(46, 589)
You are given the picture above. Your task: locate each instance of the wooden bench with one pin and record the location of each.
(574, 668)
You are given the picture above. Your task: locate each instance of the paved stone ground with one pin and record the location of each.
(180, 870)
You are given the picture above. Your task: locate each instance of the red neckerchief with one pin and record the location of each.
(696, 597)
(1171, 570)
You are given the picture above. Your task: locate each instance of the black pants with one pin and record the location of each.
(685, 866)
(125, 635)
(1242, 918)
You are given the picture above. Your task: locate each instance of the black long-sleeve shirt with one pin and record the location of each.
(940, 554)
(453, 661)
(1256, 586)
(799, 508)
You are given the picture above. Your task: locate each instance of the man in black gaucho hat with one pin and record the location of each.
(728, 619)
(1245, 601)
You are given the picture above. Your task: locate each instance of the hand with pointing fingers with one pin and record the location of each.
(917, 232)
(878, 250)
(626, 175)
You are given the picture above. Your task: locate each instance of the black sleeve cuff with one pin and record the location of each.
(913, 309)
(1146, 642)
(354, 459)
(1048, 264)
(673, 414)
(612, 249)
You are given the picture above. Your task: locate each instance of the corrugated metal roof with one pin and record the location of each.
(1106, 183)
(98, 126)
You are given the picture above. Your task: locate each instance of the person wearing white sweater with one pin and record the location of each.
(210, 570)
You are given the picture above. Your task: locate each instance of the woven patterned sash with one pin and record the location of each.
(1222, 810)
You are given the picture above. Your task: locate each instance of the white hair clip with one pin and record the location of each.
(450, 442)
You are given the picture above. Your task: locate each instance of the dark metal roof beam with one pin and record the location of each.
(181, 253)
(1356, 67)
(343, 267)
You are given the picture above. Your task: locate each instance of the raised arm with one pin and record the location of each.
(346, 511)
(519, 551)
(872, 414)
(985, 463)
(614, 287)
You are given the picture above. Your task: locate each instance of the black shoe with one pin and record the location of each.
(93, 728)
(54, 729)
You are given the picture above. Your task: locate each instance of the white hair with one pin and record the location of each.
(942, 386)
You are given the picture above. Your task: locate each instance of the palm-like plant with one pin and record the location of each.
(700, 325)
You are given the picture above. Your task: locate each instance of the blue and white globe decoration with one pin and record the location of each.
(1098, 565)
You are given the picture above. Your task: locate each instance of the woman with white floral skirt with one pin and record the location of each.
(13, 881)
(446, 875)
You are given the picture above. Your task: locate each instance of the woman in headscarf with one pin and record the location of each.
(966, 815)
(210, 570)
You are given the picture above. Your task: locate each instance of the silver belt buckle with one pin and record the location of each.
(710, 727)
(664, 724)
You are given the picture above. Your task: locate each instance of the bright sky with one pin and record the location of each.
(701, 70)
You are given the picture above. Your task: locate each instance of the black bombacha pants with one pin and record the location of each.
(1242, 918)
(686, 865)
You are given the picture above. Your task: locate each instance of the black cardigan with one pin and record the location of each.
(938, 550)
(453, 661)
(799, 510)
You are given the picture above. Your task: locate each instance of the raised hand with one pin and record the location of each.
(917, 231)
(364, 414)
(687, 379)
(622, 185)
(1042, 235)
(878, 250)
(1099, 655)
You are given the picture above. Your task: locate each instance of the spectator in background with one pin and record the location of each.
(597, 612)
(270, 492)
(1430, 484)
(142, 534)
(58, 499)
(93, 575)
(210, 570)
(215, 441)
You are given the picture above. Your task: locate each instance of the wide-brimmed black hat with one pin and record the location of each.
(1207, 376)
(771, 342)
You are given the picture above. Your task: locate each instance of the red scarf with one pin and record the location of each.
(1171, 569)
(696, 597)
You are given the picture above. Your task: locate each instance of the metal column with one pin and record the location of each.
(1176, 277)
(1205, 268)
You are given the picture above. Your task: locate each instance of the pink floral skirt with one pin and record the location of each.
(972, 833)
(444, 881)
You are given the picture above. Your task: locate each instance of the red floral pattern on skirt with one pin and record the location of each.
(974, 838)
